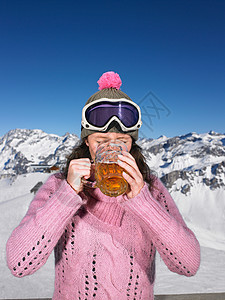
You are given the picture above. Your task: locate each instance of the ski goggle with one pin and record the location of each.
(98, 114)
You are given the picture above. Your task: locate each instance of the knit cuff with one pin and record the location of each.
(67, 195)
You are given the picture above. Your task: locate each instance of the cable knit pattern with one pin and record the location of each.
(104, 247)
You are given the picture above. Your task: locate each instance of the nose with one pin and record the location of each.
(113, 137)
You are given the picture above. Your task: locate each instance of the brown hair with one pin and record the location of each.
(82, 151)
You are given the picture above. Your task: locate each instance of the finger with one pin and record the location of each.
(78, 171)
(81, 159)
(128, 168)
(135, 183)
(83, 162)
(127, 157)
(75, 181)
(128, 154)
(131, 180)
(129, 164)
(133, 177)
(134, 187)
(79, 168)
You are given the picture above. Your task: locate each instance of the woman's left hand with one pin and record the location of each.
(134, 176)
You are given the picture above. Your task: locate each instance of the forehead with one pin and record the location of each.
(109, 135)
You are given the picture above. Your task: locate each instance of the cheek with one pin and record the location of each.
(129, 145)
(92, 151)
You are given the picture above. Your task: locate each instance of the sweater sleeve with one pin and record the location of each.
(176, 244)
(32, 242)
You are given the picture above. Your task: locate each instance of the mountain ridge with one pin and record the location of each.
(172, 158)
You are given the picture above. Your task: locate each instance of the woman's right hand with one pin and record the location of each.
(78, 168)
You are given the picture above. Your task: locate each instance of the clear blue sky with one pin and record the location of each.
(170, 56)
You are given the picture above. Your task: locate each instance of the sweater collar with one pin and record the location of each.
(105, 208)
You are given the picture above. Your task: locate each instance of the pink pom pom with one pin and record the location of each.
(109, 80)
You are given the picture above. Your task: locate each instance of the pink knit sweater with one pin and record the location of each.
(104, 247)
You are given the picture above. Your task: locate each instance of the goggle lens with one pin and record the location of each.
(99, 114)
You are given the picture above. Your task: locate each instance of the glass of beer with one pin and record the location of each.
(108, 173)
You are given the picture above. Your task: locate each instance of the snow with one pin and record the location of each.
(189, 152)
(33, 147)
(209, 278)
(204, 214)
(204, 208)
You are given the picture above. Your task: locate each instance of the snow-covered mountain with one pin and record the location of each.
(180, 161)
(188, 157)
(21, 150)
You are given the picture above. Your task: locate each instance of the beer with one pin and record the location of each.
(109, 179)
(108, 173)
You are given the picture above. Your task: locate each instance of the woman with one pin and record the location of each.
(104, 246)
